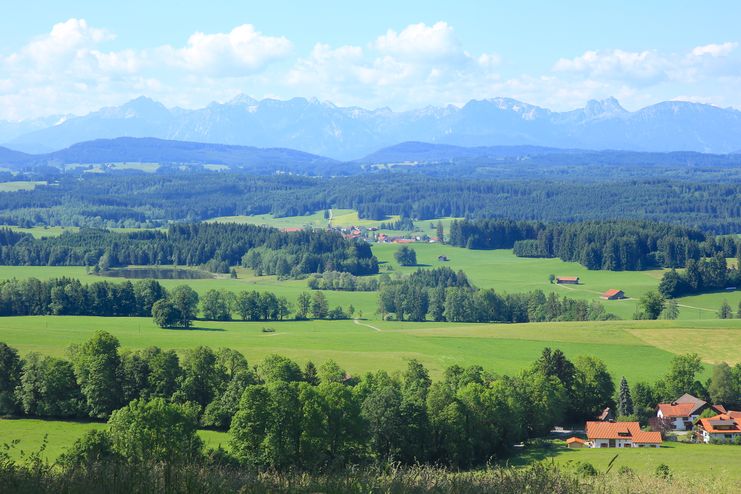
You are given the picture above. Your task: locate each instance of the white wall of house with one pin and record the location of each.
(605, 443)
(620, 443)
(707, 436)
(677, 423)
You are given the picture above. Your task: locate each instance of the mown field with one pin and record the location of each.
(696, 460)
(55, 436)
(639, 350)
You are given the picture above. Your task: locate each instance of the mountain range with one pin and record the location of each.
(349, 133)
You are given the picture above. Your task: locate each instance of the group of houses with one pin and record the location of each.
(683, 414)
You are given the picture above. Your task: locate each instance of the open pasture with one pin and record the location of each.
(639, 350)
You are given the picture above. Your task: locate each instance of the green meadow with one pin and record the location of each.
(708, 461)
(57, 435)
(19, 185)
(638, 350)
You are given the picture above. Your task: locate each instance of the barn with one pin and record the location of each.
(613, 294)
(567, 280)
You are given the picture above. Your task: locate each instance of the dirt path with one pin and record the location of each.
(357, 321)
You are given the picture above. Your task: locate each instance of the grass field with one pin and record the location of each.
(695, 460)
(19, 185)
(61, 434)
(638, 350)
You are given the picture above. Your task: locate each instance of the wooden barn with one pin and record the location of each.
(567, 280)
(613, 295)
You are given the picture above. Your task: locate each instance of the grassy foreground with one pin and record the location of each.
(696, 460)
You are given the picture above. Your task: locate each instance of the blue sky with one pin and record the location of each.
(76, 56)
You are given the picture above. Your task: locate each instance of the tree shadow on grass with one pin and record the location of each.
(195, 328)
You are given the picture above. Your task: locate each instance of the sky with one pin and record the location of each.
(74, 57)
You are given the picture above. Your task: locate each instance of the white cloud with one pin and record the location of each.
(714, 50)
(421, 42)
(73, 68)
(643, 66)
(241, 51)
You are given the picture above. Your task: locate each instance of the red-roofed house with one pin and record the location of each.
(621, 435)
(683, 412)
(722, 428)
(613, 295)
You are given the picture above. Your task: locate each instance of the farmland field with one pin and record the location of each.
(629, 348)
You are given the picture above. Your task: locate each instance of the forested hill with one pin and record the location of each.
(152, 200)
(165, 152)
(216, 246)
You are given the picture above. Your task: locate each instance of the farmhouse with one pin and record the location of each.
(567, 280)
(575, 442)
(613, 295)
(621, 435)
(721, 428)
(683, 412)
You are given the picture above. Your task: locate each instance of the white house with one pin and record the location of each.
(725, 427)
(684, 411)
(620, 435)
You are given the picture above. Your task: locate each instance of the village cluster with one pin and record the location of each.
(704, 422)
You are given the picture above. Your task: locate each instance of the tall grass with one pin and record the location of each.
(35, 476)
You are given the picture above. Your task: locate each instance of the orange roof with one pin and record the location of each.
(622, 430)
(575, 440)
(292, 229)
(611, 293)
(733, 424)
(734, 414)
(671, 410)
(568, 278)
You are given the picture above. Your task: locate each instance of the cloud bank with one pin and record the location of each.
(70, 69)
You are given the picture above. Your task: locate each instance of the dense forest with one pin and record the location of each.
(215, 246)
(137, 200)
(281, 416)
(609, 245)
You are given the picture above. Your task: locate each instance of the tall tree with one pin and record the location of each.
(625, 401)
(10, 377)
(97, 366)
(185, 300)
(156, 431)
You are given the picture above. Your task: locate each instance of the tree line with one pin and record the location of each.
(283, 416)
(155, 200)
(409, 300)
(177, 307)
(214, 245)
(608, 245)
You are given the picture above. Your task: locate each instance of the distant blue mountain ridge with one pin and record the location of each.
(351, 133)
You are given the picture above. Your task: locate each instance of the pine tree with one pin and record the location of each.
(625, 401)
